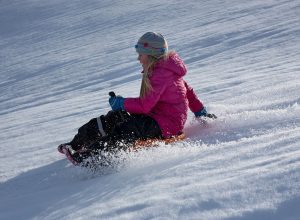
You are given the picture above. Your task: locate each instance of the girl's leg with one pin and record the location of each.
(126, 133)
(95, 129)
(87, 134)
(123, 136)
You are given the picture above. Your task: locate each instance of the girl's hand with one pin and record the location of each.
(116, 103)
(203, 113)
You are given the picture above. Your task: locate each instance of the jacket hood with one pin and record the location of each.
(173, 64)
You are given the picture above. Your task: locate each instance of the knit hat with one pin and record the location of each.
(152, 43)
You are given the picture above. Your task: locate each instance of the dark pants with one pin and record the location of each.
(117, 130)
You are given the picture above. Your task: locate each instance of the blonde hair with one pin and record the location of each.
(146, 85)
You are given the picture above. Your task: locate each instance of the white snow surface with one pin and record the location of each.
(59, 60)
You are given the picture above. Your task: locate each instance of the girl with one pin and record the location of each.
(159, 112)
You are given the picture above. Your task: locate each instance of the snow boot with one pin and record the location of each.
(61, 147)
(72, 156)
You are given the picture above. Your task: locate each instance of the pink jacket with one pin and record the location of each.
(169, 99)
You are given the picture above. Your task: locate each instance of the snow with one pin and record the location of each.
(59, 60)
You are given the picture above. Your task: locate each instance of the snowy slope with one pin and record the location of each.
(60, 58)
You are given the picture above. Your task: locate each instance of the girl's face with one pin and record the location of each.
(143, 58)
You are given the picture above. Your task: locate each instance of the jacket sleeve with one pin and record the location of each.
(194, 103)
(144, 105)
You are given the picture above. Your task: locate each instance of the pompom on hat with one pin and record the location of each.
(153, 44)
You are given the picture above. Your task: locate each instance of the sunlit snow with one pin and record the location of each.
(59, 59)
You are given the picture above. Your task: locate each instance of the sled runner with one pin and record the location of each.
(139, 144)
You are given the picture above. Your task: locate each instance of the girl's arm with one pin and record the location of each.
(195, 104)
